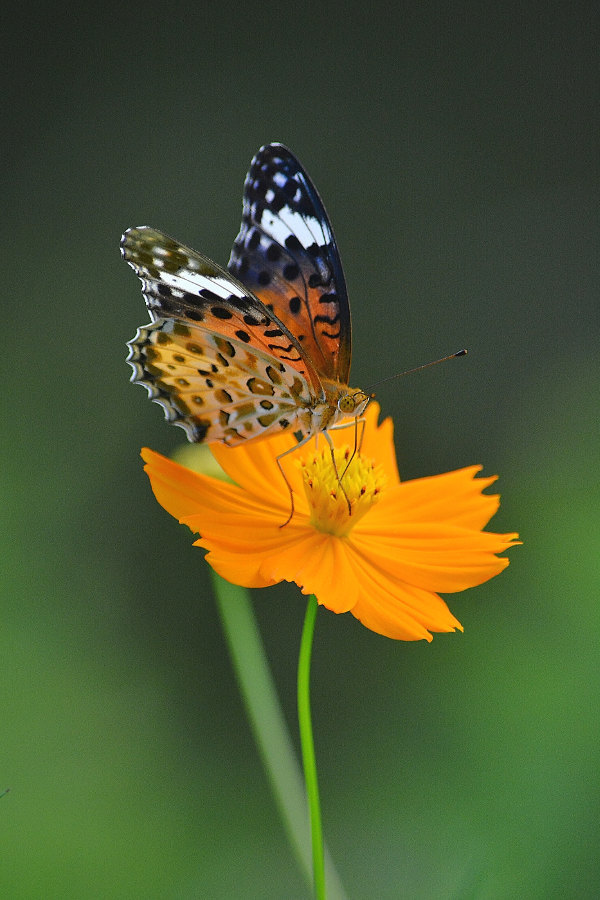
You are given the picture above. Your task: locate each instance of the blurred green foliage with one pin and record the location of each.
(455, 149)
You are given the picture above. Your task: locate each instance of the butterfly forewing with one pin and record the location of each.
(286, 253)
(183, 284)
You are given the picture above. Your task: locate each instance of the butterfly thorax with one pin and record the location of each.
(340, 402)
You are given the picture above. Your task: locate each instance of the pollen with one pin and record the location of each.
(340, 495)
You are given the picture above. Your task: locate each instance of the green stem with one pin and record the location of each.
(308, 748)
(268, 724)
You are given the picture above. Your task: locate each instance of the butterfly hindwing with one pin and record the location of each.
(216, 388)
(286, 253)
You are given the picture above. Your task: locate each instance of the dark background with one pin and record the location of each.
(455, 147)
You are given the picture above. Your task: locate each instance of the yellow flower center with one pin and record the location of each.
(340, 495)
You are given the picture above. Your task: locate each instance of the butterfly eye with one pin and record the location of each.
(347, 404)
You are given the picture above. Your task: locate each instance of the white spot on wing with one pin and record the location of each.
(307, 229)
(194, 282)
(228, 287)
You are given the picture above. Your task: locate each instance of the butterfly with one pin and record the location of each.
(246, 352)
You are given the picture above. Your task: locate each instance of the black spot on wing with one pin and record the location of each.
(220, 312)
(291, 271)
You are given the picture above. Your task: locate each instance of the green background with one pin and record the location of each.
(455, 147)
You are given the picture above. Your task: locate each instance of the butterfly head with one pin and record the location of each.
(353, 403)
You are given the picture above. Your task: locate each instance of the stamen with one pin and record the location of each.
(336, 511)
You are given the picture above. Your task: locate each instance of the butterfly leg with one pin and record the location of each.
(357, 445)
(337, 474)
(357, 441)
(285, 478)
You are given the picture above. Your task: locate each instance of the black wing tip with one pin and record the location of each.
(275, 148)
(274, 145)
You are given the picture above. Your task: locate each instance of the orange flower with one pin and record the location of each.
(385, 562)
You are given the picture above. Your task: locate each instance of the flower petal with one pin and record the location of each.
(437, 557)
(253, 466)
(209, 506)
(453, 497)
(378, 442)
(319, 566)
(179, 490)
(238, 568)
(394, 608)
(238, 531)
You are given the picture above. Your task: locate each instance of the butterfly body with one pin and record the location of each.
(265, 345)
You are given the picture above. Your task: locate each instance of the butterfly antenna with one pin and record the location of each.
(419, 368)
